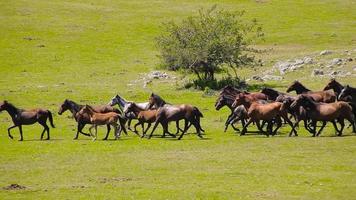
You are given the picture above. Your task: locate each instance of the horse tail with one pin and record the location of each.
(50, 118)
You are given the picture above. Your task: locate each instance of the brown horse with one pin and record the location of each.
(327, 96)
(83, 119)
(269, 112)
(27, 117)
(143, 116)
(96, 119)
(326, 112)
(167, 113)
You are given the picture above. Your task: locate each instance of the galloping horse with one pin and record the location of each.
(268, 112)
(326, 112)
(327, 96)
(143, 116)
(83, 119)
(226, 98)
(123, 104)
(96, 119)
(167, 113)
(27, 117)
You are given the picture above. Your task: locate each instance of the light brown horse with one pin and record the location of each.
(326, 112)
(83, 119)
(256, 111)
(27, 117)
(96, 119)
(327, 96)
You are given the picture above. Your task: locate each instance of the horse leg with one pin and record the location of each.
(259, 127)
(178, 129)
(21, 136)
(335, 127)
(342, 123)
(185, 129)
(228, 120)
(145, 131)
(244, 129)
(154, 128)
(107, 133)
(135, 127)
(129, 124)
(293, 128)
(8, 131)
(91, 133)
(117, 131)
(285, 117)
(80, 129)
(45, 128)
(321, 128)
(279, 124)
(269, 128)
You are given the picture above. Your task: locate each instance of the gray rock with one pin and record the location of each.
(354, 68)
(336, 61)
(317, 72)
(325, 52)
(308, 60)
(256, 78)
(271, 77)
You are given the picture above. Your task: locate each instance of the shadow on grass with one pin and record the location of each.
(260, 86)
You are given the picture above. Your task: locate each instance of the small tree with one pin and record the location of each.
(212, 41)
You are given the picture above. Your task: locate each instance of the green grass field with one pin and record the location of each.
(89, 51)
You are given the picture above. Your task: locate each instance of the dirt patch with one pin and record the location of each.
(115, 179)
(14, 186)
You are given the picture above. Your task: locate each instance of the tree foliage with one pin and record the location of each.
(212, 41)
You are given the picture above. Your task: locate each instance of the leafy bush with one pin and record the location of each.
(213, 41)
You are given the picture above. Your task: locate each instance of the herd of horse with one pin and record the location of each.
(335, 103)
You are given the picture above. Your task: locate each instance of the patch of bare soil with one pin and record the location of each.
(14, 186)
(115, 179)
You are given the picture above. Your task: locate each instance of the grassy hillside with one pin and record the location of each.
(88, 51)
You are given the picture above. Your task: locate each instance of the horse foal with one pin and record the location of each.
(96, 119)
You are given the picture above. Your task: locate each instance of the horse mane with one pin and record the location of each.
(12, 108)
(74, 105)
(311, 103)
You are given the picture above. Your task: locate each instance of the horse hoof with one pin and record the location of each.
(75, 138)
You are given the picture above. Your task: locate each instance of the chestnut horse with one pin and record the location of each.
(167, 113)
(327, 96)
(326, 112)
(268, 112)
(27, 117)
(123, 103)
(226, 98)
(143, 116)
(83, 119)
(96, 119)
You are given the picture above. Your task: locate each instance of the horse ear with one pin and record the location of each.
(117, 96)
(152, 94)
(5, 102)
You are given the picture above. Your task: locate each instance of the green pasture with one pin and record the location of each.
(89, 51)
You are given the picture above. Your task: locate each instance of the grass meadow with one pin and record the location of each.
(89, 51)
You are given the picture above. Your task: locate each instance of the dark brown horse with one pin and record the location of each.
(327, 96)
(271, 94)
(82, 120)
(326, 112)
(27, 117)
(334, 85)
(167, 113)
